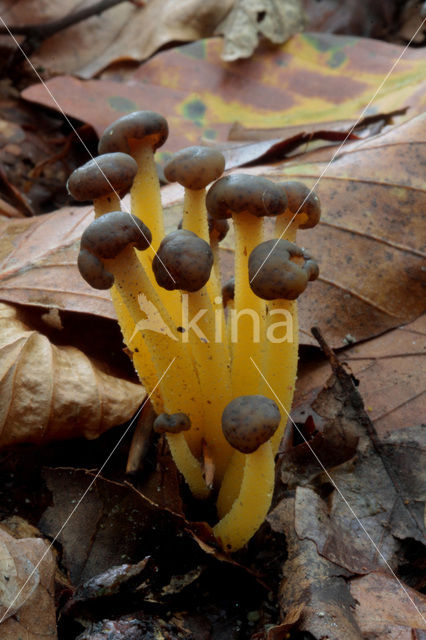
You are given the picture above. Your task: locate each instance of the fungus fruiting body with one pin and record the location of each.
(199, 348)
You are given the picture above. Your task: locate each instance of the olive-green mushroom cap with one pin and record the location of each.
(108, 173)
(134, 128)
(183, 261)
(172, 423)
(195, 167)
(304, 202)
(249, 421)
(274, 274)
(242, 193)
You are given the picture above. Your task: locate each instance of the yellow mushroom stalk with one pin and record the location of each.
(193, 342)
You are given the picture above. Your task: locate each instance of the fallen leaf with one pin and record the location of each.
(275, 20)
(382, 608)
(390, 369)
(126, 32)
(113, 523)
(314, 589)
(356, 513)
(132, 627)
(369, 242)
(51, 392)
(38, 262)
(27, 571)
(312, 78)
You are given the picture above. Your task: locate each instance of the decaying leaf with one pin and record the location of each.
(312, 78)
(38, 259)
(276, 20)
(49, 392)
(391, 370)
(113, 524)
(369, 242)
(133, 628)
(27, 607)
(313, 584)
(380, 612)
(126, 32)
(349, 520)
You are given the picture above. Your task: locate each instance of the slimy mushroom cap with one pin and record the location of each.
(140, 126)
(108, 173)
(249, 421)
(172, 423)
(275, 275)
(301, 199)
(217, 228)
(183, 261)
(195, 167)
(106, 236)
(93, 270)
(240, 192)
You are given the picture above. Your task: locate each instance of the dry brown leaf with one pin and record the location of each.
(380, 612)
(391, 370)
(126, 32)
(38, 263)
(27, 569)
(313, 584)
(369, 243)
(276, 20)
(49, 392)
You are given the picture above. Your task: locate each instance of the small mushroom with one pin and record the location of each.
(303, 202)
(247, 199)
(249, 421)
(242, 193)
(114, 231)
(195, 167)
(275, 275)
(105, 238)
(172, 423)
(303, 210)
(130, 131)
(183, 261)
(139, 134)
(104, 180)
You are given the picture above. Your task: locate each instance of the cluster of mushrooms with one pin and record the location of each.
(223, 386)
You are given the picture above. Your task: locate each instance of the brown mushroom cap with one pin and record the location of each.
(239, 192)
(249, 421)
(93, 270)
(172, 423)
(195, 167)
(217, 229)
(228, 291)
(304, 202)
(106, 236)
(109, 173)
(140, 126)
(183, 261)
(274, 275)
